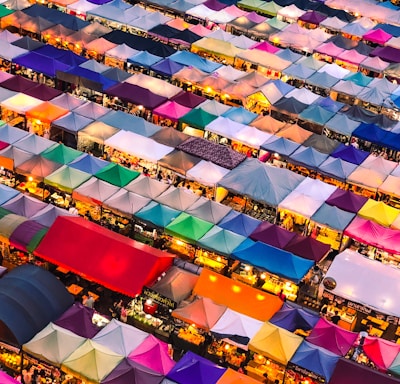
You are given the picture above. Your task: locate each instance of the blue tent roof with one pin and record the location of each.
(322, 80)
(157, 214)
(273, 260)
(88, 163)
(308, 156)
(332, 217)
(221, 240)
(340, 123)
(394, 30)
(261, 182)
(10, 134)
(369, 132)
(239, 223)
(350, 154)
(193, 369)
(72, 122)
(337, 168)
(391, 140)
(329, 104)
(281, 145)
(240, 115)
(166, 67)
(30, 298)
(358, 78)
(316, 114)
(144, 59)
(191, 59)
(40, 63)
(292, 317)
(67, 57)
(7, 193)
(129, 122)
(68, 21)
(315, 359)
(299, 71)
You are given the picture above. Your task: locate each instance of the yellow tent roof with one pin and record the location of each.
(218, 47)
(276, 343)
(237, 296)
(379, 212)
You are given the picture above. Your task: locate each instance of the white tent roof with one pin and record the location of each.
(379, 164)
(225, 127)
(304, 95)
(334, 70)
(96, 189)
(82, 6)
(291, 12)
(383, 296)
(220, 34)
(122, 52)
(126, 202)
(214, 107)
(157, 86)
(139, 146)
(242, 42)
(206, 173)
(9, 51)
(252, 137)
(265, 59)
(333, 23)
(222, 17)
(301, 204)
(20, 103)
(375, 63)
(201, 11)
(315, 188)
(146, 186)
(229, 73)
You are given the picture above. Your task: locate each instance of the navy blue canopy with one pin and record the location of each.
(28, 43)
(68, 21)
(391, 140)
(166, 67)
(369, 132)
(274, 260)
(239, 223)
(290, 105)
(292, 317)
(66, 57)
(350, 154)
(30, 298)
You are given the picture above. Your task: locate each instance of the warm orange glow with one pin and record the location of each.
(260, 297)
(236, 288)
(213, 278)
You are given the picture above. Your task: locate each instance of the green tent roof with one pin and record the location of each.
(36, 239)
(197, 118)
(188, 228)
(4, 11)
(251, 5)
(61, 154)
(116, 174)
(67, 178)
(221, 240)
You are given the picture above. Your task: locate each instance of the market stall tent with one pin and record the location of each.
(346, 200)
(239, 223)
(194, 369)
(33, 144)
(276, 343)
(272, 234)
(177, 198)
(206, 173)
(31, 297)
(11, 157)
(146, 187)
(158, 214)
(237, 296)
(6, 379)
(48, 215)
(178, 161)
(6, 193)
(53, 344)
(381, 352)
(10, 134)
(105, 251)
(125, 203)
(88, 164)
(94, 191)
(116, 174)
(379, 212)
(24, 205)
(332, 217)
(208, 210)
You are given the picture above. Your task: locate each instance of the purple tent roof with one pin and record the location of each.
(331, 337)
(389, 54)
(18, 84)
(272, 234)
(129, 372)
(43, 92)
(349, 153)
(346, 200)
(167, 67)
(215, 5)
(6, 379)
(291, 317)
(193, 369)
(188, 99)
(313, 17)
(134, 94)
(78, 319)
(24, 233)
(255, 17)
(307, 248)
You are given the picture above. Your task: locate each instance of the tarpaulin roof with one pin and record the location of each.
(78, 319)
(333, 217)
(66, 178)
(166, 67)
(125, 203)
(144, 58)
(202, 312)
(308, 156)
(72, 122)
(365, 177)
(284, 147)
(239, 223)
(179, 161)
(67, 101)
(350, 153)
(189, 58)
(315, 359)
(91, 110)
(292, 317)
(60, 153)
(335, 339)
(157, 214)
(53, 344)
(97, 132)
(274, 260)
(294, 133)
(340, 123)
(121, 338)
(272, 234)
(193, 369)
(20, 103)
(7, 193)
(27, 235)
(146, 186)
(171, 110)
(88, 163)
(237, 296)
(234, 377)
(11, 157)
(276, 343)
(381, 352)
(390, 186)
(116, 174)
(261, 182)
(133, 264)
(31, 298)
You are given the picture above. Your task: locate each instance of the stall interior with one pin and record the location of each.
(211, 260)
(260, 367)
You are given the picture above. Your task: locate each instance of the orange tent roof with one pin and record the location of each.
(46, 112)
(232, 377)
(240, 297)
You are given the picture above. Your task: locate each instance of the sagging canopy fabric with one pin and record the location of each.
(274, 260)
(276, 343)
(315, 359)
(237, 296)
(260, 182)
(110, 259)
(31, 297)
(292, 317)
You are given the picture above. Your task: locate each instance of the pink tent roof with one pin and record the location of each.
(369, 232)
(329, 49)
(233, 10)
(331, 337)
(153, 354)
(381, 352)
(352, 56)
(266, 47)
(171, 110)
(378, 36)
(6, 379)
(375, 63)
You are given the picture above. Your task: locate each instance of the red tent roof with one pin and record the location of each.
(98, 254)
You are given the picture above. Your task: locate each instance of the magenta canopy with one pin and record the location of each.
(266, 47)
(153, 354)
(378, 36)
(381, 352)
(346, 200)
(369, 232)
(171, 110)
(349, 372)
(272, 234)
(6, 379)
(331, 337)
